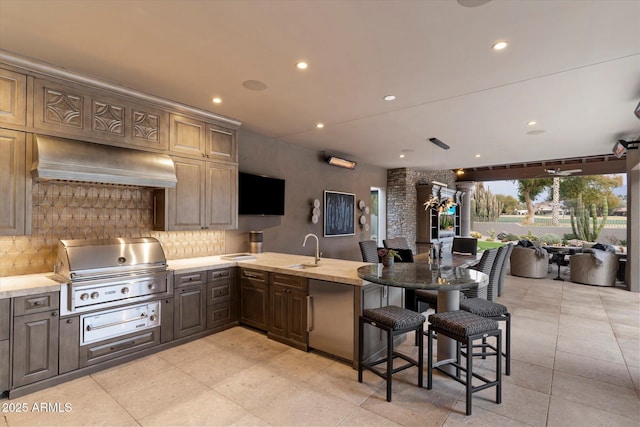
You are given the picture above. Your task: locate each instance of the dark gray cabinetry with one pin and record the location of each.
(35, 338)
(166, 320)
(221, 298)
(5, 319)
(288, 309)
(189, 304)
(69, 344)
(254, 298)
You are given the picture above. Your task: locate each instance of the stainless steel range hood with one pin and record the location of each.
(70, 160)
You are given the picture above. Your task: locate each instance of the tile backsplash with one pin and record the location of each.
(64, 210)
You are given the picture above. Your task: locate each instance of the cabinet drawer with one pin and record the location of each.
(254, 275)
(105, 350)
(219, 292)
(36, 303)
(219, 274)
(220, 315)
(288, 280)
(198, 278)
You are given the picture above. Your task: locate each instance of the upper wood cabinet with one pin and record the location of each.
(13, 98)
(201, 139)
(107, 118)
(205, 197)
(15, 184)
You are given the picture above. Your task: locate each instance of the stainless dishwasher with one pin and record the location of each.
(331, 318)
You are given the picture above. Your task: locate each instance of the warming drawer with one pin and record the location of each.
(118, 322)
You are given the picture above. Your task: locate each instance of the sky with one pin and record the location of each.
(510, 188)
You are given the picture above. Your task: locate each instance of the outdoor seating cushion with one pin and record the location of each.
(482, 307)
(394, 317)
(462, 323)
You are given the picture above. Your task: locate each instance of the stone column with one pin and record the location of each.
(468, 188)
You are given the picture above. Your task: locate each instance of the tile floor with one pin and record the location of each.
(576, 362)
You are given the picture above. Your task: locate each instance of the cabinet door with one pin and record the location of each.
(187, 136)
(189, 311)
(15, 209)
(4, 366)
(222, 184)
(221, 143)
(166, 320)
(253, 299)
(5, 318)
(35, 347)
(59, 108)
(278, 316)
(187, 200)
(13, 97)
(297, 313)
(69, 344)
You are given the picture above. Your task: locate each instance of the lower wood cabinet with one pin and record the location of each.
(5, 322)
(254, 298)
(69, 355)
(35, 347)
(189, 310)
(288, 309)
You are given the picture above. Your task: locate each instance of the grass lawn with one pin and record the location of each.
(482, 245)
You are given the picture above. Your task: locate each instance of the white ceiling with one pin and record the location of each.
(572, 66)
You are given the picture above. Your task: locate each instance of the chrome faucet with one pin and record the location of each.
(317, 245)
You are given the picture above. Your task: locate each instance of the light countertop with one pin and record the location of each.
(329, 269)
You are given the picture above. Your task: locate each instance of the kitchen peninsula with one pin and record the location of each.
(285, 296)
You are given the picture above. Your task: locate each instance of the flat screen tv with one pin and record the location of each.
(260, 195)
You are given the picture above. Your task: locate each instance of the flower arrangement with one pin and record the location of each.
(384, 253)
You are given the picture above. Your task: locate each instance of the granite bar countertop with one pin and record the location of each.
(329, 269)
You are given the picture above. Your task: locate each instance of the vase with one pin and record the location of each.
(387, 261)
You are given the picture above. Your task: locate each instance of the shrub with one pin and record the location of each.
(476, 234)
(529, 236)
(512, 237)
(550, 239)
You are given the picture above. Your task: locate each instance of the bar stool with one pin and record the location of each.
(464, 327)
(394, 321)
(492, 310)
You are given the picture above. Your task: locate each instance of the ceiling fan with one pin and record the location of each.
(558, 172)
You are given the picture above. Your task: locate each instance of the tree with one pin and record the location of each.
(509, 203)
(528, 190)
(595, 189)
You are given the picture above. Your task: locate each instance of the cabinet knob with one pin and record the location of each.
(54, 313)
(69, 320)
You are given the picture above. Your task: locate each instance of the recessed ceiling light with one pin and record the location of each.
(320, 125)
(402, 155)
(302, 65)
(389, 97)
(216, 100)
(499, 45)
(531, 123)
(477, 155)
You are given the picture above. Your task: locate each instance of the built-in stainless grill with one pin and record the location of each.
(111, 272)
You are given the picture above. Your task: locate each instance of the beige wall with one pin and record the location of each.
(306, 177)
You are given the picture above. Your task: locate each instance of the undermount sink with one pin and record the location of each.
(303, 266)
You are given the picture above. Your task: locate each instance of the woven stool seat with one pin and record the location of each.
(430, 297)
(483, 307)
(462, 323)
(394, 317)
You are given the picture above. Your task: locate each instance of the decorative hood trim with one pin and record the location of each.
(71, 160)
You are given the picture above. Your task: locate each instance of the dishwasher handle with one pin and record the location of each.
(310, 315)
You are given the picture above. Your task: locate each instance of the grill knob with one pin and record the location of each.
(125, 290)
(84, 297)
(152, 286)
(94, 295)
(153, 317)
